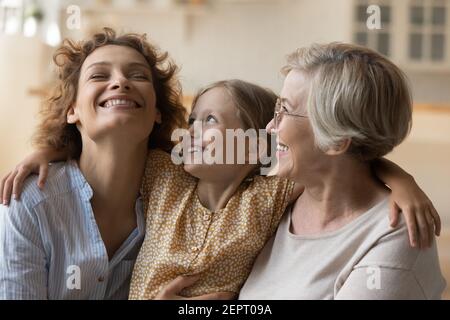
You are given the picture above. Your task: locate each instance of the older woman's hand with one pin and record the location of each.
(38, 163)
(172, 290)
(421, 217)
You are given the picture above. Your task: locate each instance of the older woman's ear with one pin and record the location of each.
(339, 148)
(72, 115)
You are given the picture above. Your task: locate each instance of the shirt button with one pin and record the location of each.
(101, 279)
(195, 249)
(206, 216)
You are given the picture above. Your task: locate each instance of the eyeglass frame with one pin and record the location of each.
(278, 113)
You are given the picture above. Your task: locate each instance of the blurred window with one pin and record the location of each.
(416, 14)
(377, 39)
(11, 16)
(415, 45)
(428, 30)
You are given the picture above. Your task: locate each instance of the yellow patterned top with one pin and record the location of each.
(183, 237)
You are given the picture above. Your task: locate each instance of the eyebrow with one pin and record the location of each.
(139, 64)
(286, 101)
(132, 64)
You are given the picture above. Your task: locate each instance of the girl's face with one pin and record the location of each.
(115, 100)
(214, 112)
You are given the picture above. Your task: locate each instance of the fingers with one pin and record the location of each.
(12, 183)
(437, 221)
(422, 226)
(178, 284)
(412, 227)
(216, 296)
(2, 184)
(22, 174)
(7, 187)
(171, 291)
(431, 231)
(394, 213)
(43, 173)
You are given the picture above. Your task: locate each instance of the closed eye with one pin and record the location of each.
(98, 76)
(139, 76)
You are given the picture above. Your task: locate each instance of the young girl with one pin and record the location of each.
(213, 220)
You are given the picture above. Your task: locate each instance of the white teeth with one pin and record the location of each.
(122, 102)
(282, 148)
(194, 149)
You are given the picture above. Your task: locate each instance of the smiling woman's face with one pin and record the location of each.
(115, 98)
(296, 150)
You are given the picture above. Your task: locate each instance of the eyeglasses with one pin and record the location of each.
(280, 111)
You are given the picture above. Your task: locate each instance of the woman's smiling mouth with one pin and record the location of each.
(282, 149)
(119, 102)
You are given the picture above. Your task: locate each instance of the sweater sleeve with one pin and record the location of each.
(381, 283)
(392, 269)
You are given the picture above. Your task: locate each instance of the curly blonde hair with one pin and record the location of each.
(53, 130)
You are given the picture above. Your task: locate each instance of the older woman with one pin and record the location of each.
(80, 236)
(341, 106)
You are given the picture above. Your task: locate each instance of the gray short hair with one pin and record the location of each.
(355, 93)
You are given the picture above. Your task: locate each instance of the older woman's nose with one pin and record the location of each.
(271, 126)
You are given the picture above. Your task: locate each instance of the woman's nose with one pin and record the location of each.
(121, 83)
(270, 128)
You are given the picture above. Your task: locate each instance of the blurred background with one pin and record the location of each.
(247, 39)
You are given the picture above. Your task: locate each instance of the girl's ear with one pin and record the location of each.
(72, 114)
(158, 117)
(339, 148)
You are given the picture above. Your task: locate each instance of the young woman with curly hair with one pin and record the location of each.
(78, 238)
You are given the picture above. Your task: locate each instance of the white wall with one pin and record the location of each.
(23, 65)
(247, 40)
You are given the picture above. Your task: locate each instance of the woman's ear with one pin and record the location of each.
(339, 148)
(158, 116)
(72, 114)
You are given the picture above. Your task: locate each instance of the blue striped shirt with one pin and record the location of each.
(51, 247)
